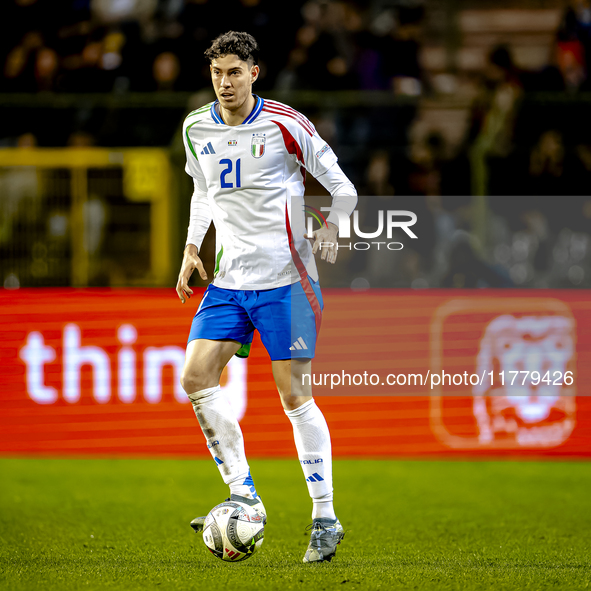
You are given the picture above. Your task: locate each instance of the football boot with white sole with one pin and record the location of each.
(256, 504)
(325, 536)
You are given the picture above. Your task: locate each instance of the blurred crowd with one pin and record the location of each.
(158, 45)
(511, 146)
(531, 156)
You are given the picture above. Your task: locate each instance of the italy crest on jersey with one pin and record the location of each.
(257, 144)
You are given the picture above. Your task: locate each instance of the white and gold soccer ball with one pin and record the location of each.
(233, 531)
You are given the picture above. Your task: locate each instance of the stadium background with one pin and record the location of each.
(471, 114)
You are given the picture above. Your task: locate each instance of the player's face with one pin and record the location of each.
(232, 80)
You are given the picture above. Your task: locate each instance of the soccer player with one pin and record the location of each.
(248, 158)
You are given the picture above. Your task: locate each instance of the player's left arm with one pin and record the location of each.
(322, 163)
(344, 200)
(317, 157)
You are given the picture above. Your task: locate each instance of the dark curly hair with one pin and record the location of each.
(233, 43)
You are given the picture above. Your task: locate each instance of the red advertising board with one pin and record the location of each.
(398, 373)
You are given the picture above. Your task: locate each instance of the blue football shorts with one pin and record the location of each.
(287, 318)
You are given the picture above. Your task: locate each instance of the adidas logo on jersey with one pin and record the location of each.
(208, 149)
(298, 345)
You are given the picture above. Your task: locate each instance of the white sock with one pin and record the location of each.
(224, 439)
(312, 440)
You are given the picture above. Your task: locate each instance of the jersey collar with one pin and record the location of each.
(253, 114)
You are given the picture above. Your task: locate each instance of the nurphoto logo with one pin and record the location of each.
(387, 221)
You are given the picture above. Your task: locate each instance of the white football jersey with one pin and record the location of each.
(252, 178)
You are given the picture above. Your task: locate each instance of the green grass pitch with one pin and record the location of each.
(124, 524)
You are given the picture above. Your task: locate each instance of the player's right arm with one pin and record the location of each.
(199, 222)
(191, 261)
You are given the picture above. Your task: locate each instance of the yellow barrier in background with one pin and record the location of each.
(85, 204)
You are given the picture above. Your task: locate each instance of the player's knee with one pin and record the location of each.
(294, 402)
(290, 403)
(194, 381)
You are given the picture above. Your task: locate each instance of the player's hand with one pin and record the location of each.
(325, 240)
(191, 261)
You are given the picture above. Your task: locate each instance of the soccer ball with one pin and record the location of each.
(233, 531)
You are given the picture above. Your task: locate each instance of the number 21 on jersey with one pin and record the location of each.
(229, 167)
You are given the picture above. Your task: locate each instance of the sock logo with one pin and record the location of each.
(310, 462)
(213, 444)
(315, 478)
(218, 461)
(248, 481)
